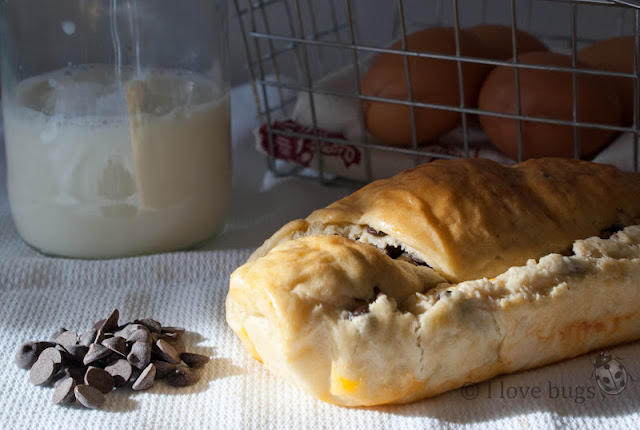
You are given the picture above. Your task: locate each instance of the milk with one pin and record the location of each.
(98, 168)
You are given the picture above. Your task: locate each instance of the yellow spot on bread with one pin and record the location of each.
(349, 385)
(341, 386)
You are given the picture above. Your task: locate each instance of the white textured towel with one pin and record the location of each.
(39, 294)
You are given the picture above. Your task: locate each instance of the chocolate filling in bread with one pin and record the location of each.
(363, 305)
(395, 252)
(607, 232)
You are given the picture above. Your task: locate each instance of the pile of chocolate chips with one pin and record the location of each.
(87, 366)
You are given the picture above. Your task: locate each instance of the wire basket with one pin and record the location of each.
(306, 60)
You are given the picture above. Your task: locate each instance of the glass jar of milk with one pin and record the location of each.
(116, 117)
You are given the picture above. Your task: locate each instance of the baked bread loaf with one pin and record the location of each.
(446, 274)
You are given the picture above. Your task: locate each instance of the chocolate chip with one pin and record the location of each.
(193, 360)
(99, 324)
(108, 360)
(151, 324)
(68, 338)
(606, 233)
(64, 392)
(393, 251)
(57, 333)
(100, 379)
(360, 310)
(111, 323)
(29, 352)
(116, 344)
(77, 352)
(175, 340)
(167, 352)
(95, 352)
(42, 371)
(87, 338)
(146, 378)
(126, 330)
(363, 307)
(99, 337)
(183, 376)
(89, 396)
(567, 252)
(376, 233)
(418, 260)
(60, 376)
(53, 354)
(166, 336)
(163, 369)
(176, 330)
(77, 373)
(121, 372)
(140, 335)
(140, 355)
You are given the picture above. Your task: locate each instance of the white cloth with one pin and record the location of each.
(39, 294)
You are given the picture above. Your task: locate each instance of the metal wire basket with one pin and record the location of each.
(305, 52)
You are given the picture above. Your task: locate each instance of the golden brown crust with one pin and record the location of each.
(474, 218)
(323, 306)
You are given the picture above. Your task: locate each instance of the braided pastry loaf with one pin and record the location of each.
(449, 273)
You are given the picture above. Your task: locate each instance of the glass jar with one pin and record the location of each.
(117, 128)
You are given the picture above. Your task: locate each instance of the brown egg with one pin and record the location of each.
(432, 81)
(614, 55)
(497, 40)
(547, 94)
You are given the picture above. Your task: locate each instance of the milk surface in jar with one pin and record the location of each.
(101, 165)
